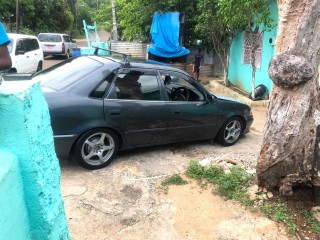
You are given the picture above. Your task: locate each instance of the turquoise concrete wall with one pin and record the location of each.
(239, 73)
(14, 221)
(26, 132)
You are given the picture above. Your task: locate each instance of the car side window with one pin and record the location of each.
(100, 90)
(66, 39)
(179, 88)
(34, 44)
(20, 45)
(136, 85)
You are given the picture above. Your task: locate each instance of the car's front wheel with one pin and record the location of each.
(96, 148)
(230, 131)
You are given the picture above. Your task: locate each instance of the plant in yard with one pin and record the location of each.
(231, 185)
(174, 179)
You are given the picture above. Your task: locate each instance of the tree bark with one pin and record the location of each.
(290, 154)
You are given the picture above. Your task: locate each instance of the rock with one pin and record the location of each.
(316, 212)
(269, 195)
(205, 163)
(251, 171)
(232, 161)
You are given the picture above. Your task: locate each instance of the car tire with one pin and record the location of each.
(12, 70)
(39, 68)
(230, 131)
(96, 148)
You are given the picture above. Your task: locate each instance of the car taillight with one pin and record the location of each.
(63, 47)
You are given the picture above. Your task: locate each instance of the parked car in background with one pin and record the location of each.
(56, 44)
(99, 105)
(26, 53)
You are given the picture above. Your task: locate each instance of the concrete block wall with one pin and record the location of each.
(26, 133)
(14, 221)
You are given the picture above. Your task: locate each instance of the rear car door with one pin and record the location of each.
(23, 58)
(32, 48)
(37, 53)
(192, 115)
(135, 106)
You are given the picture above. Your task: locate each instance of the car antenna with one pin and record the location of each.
(125, 56)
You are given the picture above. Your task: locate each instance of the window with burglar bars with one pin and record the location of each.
(250, 40)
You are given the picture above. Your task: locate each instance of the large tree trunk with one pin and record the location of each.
(290, 153)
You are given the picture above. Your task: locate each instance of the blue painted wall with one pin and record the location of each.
(14, 221)
(239, 73)
(26, 132)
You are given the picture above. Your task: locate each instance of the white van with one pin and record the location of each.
(57, 44)
(26, 53)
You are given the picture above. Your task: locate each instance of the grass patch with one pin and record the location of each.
(231, 185)
(234, 185)
(279, 212)
(174, 179)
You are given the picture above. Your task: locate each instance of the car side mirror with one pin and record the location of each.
(210, 98)
(20, 52)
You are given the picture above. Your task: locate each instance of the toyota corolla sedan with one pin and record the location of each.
(100, 105)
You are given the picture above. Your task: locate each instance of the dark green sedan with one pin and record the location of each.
(99, 105)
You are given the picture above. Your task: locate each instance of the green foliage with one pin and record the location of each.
(279, 212)
(195, 170)
(103, 16)
(221, 20)
(311, 221)
(174, 179)
(39, 15)
(231, 185)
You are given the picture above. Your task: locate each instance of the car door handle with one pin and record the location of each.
(175, 112)
(27, 56)
(114, 113)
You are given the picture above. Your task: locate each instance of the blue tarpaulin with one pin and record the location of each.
(165, 36)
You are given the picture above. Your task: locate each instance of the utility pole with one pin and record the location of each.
(17, 16)
(114, 21)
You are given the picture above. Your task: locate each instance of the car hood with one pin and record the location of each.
(222, 97)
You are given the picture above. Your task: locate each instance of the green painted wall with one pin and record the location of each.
(239, 73)
(26, 132)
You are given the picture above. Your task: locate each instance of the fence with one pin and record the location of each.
(211, 62)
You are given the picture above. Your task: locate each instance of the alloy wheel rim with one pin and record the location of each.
(98, 148)
(232, 131)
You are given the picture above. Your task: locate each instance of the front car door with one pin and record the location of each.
(135, 106)
(69, 44)
(193, 115)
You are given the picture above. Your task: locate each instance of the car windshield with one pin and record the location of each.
(10, 45)
(49, 38)
(66, 73)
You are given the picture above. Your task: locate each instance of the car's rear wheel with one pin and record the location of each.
(39, 68)
(230, 131)
(96, 148)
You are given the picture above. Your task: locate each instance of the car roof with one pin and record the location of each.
(16, 36)
(138, 63)
(61, 34)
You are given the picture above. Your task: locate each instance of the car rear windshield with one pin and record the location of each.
(49, 38)
(66, 73)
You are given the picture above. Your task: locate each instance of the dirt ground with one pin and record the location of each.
(124, 200)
